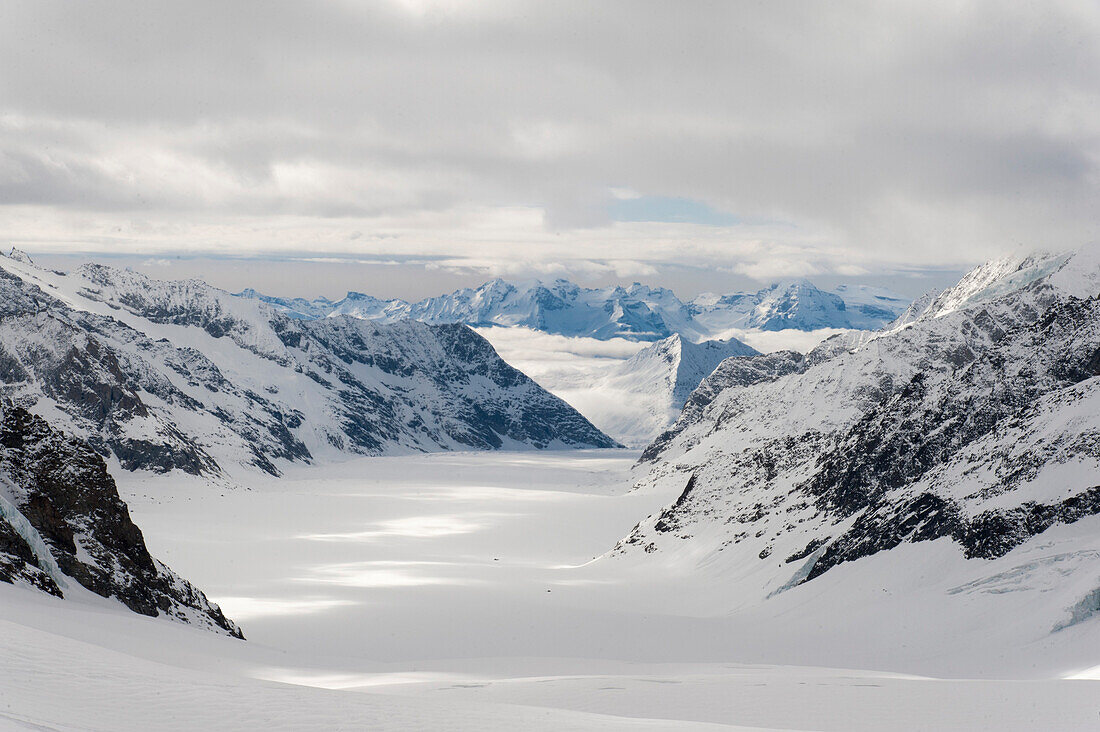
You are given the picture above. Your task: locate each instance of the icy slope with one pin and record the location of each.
(179, 375)
(794, 304)
(638, 312)
(652, 386)
(61, 520)
(977, 420)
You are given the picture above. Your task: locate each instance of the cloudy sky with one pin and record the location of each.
(613, 140)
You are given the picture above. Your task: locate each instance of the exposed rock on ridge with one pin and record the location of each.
(63, 519)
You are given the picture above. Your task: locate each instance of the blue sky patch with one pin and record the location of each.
(669, 209)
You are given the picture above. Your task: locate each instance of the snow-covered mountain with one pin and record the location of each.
(650, 388)
(179, 375)
(798, 304)
(638, 312)
(63, 528)
(298, 308)
(975, 420)
(870, 308)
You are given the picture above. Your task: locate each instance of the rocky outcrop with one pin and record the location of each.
(915, 437)
(64, 521)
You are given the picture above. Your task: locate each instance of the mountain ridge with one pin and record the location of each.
(974, 420)
(178, 375)
(637, 312)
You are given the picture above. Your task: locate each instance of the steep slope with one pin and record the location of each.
(179, 375)
(61, 519)
(977, 420)
(652, 386)
(799, 305)
(638, 312)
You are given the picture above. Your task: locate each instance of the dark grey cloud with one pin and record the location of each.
(881, 133)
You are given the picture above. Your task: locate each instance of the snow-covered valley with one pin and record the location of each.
(441, 591)
(899, 529)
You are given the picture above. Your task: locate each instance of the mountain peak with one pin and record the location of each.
(1075, 272)
(20, 256)
(794, 283)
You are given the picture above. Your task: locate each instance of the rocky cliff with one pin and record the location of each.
(62, 523)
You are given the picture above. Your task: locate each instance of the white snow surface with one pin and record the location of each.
(476, 591)
(458, 591)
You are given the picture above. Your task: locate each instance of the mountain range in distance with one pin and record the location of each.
(634, 401)
(638, 312)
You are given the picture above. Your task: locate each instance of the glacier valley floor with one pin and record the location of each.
(459, 591)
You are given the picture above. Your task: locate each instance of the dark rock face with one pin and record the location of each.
(926, 425)
(988, 535)
(18, 564)
(62, 488)
(446, 364)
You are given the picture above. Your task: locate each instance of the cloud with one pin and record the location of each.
(527, 345)
(761, 138)
(586, 269)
